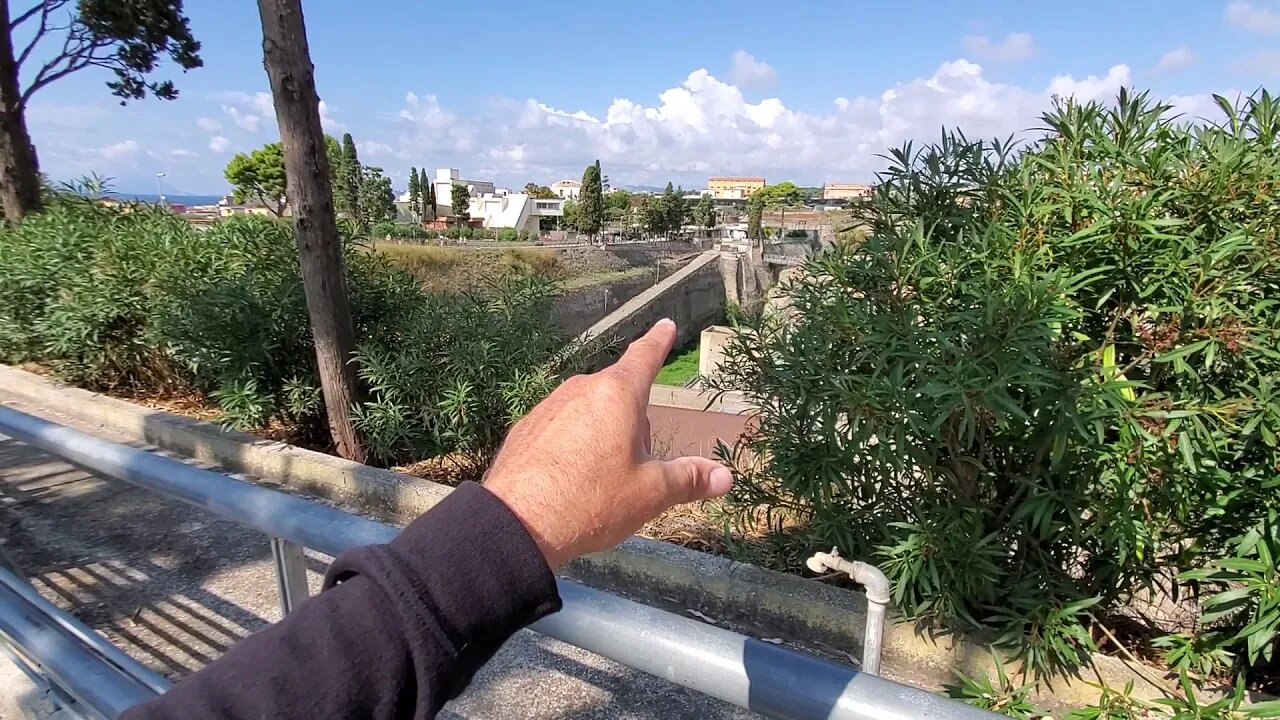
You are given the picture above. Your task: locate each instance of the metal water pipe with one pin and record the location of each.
(877, 588)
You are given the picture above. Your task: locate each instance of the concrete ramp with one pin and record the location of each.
(693, 296)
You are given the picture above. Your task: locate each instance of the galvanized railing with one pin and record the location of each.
(774, 681)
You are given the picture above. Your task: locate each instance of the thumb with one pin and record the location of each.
(689, 479)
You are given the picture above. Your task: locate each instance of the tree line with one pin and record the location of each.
(362, 193)
(655, 215)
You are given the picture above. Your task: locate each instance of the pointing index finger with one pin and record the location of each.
(639, 365)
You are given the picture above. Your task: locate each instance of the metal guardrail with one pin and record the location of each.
(774, 681)
(94, 678)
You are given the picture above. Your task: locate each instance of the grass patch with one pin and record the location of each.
(605, 278)
(681, 366)
(451, 269)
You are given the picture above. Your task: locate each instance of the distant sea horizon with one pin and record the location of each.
(172, 198)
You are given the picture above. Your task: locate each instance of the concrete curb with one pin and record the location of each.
(766, 602)
(384, 493)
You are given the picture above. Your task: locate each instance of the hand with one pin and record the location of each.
(577, 469)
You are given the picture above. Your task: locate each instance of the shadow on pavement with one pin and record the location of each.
(130, 563)
(175, 586)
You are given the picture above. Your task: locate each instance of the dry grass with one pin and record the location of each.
(614, 276)
(776, 542)
(451, 470)
(451, 270)
(693, 526)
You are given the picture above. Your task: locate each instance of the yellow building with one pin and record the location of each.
(845, 191)
(734, 188)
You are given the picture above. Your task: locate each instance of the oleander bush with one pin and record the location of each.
(134, 299)
(1046, 385)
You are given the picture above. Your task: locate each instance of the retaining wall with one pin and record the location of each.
(577, 310)
(693, 297)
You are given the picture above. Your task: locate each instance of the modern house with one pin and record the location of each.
(734, 188)
(567, 189)
(446, 178)
(518, 211)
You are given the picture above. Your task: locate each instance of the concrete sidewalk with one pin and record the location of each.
(175, 586)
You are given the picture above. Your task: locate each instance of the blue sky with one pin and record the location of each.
(518, 92)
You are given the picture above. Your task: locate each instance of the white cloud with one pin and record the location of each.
(427, 127)
(748, 72)
(700, 125)
(373, 148)
(1263, 62)
(1253, 17)
(243, 120)
(260, 103)
(706, 126)
(328, 122)
(1014, 47)
(119, 150)
(208, 124)
(1199, 108)
(1092, 87)
(1176, 59)
(183, 153)
(65, 116)
(248, 110)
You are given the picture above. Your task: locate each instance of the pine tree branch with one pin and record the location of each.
(39, 7)
(78, 52)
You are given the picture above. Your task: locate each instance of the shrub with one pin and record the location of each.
(1045, 382)
(482, 363)
(142, 300)
(74, 291)
(398, 231)
(508, 235)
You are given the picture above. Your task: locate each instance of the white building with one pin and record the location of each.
(518, 211)
(446, 178)
(567, 189)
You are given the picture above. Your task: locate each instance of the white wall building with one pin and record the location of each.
(518, 211)
(446, 178)
(567, 189)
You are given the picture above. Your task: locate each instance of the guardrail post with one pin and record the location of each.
(291, 573)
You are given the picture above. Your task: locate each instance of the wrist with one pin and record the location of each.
(530, 516)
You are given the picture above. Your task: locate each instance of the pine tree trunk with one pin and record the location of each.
(19, 171)
(310, 195)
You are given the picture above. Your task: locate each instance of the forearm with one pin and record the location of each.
(402, 632)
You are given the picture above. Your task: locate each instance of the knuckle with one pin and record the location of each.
(608, 389)
(575, 382)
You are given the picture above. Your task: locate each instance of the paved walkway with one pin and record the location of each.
(175, 587)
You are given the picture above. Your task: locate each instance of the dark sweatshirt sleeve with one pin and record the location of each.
(400, 629)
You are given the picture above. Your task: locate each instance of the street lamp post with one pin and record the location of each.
(160, 186)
